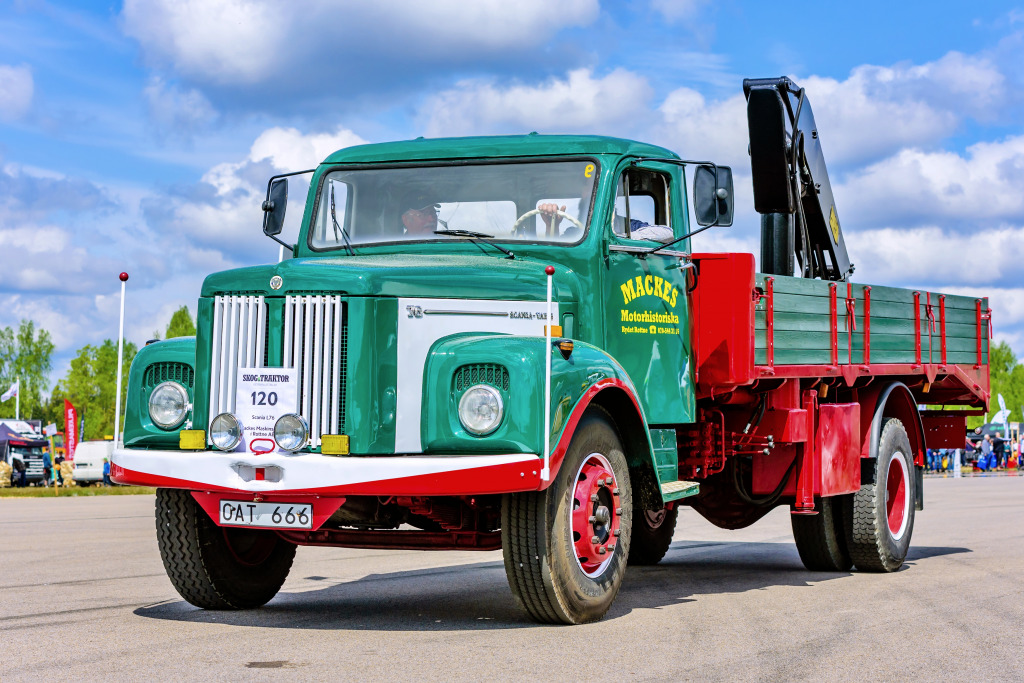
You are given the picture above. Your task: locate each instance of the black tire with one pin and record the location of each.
(881, 515)
(652, 534)
(546, 574)
(821, 538)
(216, 567)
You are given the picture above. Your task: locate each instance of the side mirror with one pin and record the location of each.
(712, 195)
(274, 207)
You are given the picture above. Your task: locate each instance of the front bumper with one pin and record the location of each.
(315, 474)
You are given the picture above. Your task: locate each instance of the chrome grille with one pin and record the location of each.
(239, 341)
(314, 343)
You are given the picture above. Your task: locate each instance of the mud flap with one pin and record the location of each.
(918, 488)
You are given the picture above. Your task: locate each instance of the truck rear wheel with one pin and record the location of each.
(217, 567)
(881, 516)
(652, 534)
(821, 538)
(566, 547)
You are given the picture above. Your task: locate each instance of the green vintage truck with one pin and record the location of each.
(506, 342)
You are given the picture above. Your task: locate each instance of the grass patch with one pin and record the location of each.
(64, 491)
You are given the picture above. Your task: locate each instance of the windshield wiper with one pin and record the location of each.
(475, 236)
(344, 231)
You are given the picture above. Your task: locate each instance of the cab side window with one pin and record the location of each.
(642, 201)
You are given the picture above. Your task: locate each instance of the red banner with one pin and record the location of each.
(70, 429)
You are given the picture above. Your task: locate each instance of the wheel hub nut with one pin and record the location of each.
(602, 516)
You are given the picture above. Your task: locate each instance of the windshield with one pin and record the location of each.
(496, 200)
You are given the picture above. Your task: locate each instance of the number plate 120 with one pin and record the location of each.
(281, 515)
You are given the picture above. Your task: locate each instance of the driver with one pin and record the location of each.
(419, 215)
(638, 230)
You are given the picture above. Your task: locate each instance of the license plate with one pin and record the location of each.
(280, 515)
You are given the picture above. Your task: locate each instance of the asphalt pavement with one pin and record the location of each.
(83, 596)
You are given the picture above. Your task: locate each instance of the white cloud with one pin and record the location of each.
(878, 110)
(697, 129)
(245, 42)
(177, 110)
(580, 102)
(288, 149)
(914, 186)
(228, 220)
(16, 90)
(929, 255)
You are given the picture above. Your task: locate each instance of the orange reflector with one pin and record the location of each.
(334, 444)
(565, 346)
(192, 439)
(556, 330)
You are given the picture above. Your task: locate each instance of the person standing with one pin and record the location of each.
(106, 472)
(47, 467)
(998, 452)
(56, 464)
(985, 459)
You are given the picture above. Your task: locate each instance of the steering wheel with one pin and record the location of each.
(533, 212)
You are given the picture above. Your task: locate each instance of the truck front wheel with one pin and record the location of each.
(566, 547)
(216, 567)
(881, 518)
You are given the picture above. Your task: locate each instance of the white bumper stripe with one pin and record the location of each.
(300, 472)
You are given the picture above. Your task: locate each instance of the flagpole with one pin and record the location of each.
(17, 400)
(120, 351)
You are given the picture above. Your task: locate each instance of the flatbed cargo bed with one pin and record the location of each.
(815, 328)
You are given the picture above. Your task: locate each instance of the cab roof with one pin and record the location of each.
(530, 145)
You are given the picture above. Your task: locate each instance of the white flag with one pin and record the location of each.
(10, 393)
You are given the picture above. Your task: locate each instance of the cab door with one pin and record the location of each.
(647, 321)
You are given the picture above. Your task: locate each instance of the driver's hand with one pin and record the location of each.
(549, 216)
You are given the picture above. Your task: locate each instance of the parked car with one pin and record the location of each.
(89, 461)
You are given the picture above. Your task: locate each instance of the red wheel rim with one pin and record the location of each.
(897, 495)
(596, 515)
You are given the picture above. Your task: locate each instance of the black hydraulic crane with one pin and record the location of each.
(791, 188)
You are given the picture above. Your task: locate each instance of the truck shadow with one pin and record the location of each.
(476, 596)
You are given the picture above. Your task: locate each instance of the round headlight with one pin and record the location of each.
(168, 404)
(480, 409)
(291, 432)
(225, 432)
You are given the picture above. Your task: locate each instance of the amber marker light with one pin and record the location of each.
(565, 346)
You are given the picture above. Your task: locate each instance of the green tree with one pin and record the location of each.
(25, 356)
(181, 324)
(91, 385)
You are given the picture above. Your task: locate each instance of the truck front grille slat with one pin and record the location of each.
(481, 373)
(314, 339)
(168, 372)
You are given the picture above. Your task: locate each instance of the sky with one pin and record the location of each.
(138, 136)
